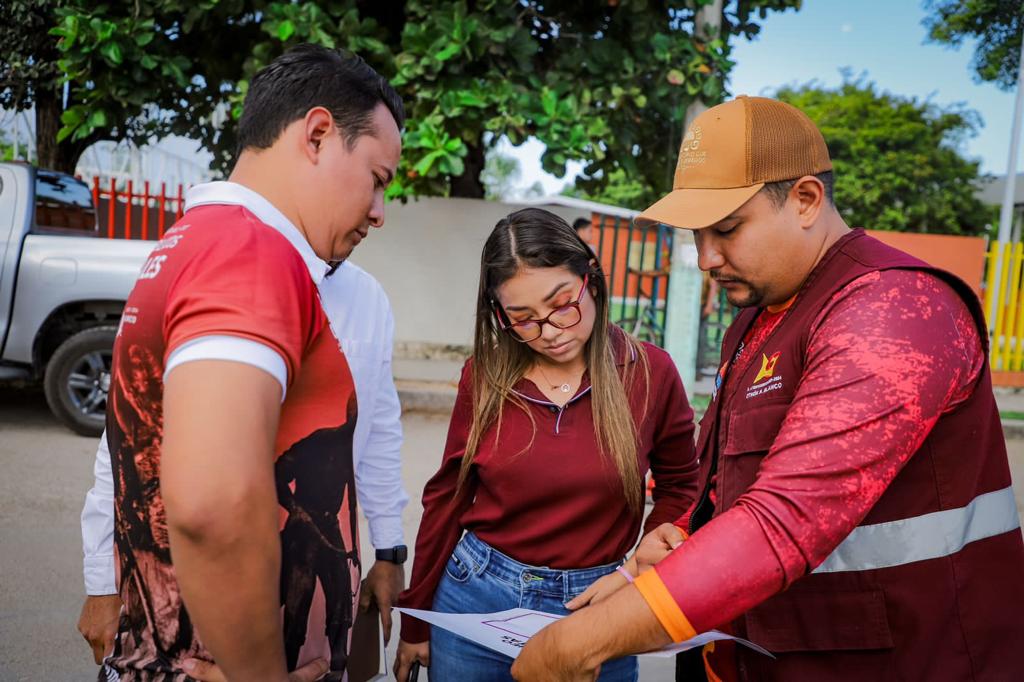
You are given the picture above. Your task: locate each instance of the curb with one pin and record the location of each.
(426, 397)
(1013, 429)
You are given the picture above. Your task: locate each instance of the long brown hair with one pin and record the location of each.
(536, 238)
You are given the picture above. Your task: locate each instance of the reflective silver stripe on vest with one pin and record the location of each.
(928, 536)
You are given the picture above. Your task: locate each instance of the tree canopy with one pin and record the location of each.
(30, 75)
(603, 83)
(897, 161)
(998, 27)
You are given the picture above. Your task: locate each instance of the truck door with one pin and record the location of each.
(13, 225)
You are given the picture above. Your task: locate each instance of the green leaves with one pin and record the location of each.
(72, 118)
(97, 118)
(285, 30)
(80, 121)
(437, 155)
(996, 27)
(307, 22)
(67, 30)
(112, 51)
(102, 29)
(121, 67)
(175, 68)
(447, 52)
(549, 102)
(605, 84)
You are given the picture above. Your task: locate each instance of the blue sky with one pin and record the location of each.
(884, 39)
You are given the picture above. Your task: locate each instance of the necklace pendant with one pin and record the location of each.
(566, 388)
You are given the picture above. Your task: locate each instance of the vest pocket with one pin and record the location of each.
(821, 621)
(754, 429)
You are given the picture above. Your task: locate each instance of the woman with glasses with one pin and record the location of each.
(559, 417)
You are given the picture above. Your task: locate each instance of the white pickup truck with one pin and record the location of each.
(62, 290)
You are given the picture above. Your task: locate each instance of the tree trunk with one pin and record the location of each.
(706, 27)
(468, 185)
(61, 157)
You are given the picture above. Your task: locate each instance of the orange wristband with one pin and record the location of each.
(665, 608)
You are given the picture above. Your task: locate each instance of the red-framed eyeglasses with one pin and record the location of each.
(564, 317)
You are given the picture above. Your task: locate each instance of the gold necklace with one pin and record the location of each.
(565, 388)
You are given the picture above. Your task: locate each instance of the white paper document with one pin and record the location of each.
(508, 631)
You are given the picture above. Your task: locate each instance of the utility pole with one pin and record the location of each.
(707, 25)
(1006, 214)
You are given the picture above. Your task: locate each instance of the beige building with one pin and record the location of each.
(991, 192)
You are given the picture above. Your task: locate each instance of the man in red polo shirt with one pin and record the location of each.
(855, 515)
(231, 404)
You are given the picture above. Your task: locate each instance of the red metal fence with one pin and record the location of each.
(124, 213)
(636, 261)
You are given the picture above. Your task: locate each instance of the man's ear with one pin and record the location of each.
(318, 124)
(808, 193)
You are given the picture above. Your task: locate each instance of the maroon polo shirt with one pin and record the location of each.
(547, 496)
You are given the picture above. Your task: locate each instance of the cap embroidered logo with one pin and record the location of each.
(689, 151)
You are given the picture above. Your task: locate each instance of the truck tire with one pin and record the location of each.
(77, 380)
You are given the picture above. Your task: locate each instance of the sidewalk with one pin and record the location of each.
(429, 386)
(1011, 407)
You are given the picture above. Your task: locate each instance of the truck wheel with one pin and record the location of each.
(78, 378)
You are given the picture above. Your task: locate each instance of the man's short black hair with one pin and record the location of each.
(778, 191)
(310, 76)
(581, 223)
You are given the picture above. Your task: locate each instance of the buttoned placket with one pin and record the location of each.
(553, 407)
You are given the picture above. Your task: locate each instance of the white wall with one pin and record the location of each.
(427, 257)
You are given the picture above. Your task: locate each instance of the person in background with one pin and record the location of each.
(585, 229)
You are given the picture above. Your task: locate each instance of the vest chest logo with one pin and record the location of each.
(719, 378)
(766, 381)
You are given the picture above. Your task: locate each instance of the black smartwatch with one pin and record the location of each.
(396, 555)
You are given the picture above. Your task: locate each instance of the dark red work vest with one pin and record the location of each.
(937, 595)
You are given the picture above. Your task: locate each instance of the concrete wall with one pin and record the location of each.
(427, 257)
(963, 256)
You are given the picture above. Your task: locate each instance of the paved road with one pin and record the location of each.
(46, 472)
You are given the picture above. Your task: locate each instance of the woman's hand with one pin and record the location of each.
(657, 545)
(409, 653)
(603, 587)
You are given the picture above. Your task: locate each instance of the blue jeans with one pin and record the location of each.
(480, 579)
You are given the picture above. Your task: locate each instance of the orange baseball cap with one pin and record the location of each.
(728, 155)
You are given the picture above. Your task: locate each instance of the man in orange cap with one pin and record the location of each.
(856, 516)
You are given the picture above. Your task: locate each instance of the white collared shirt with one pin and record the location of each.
(360, 316)
(223, 193)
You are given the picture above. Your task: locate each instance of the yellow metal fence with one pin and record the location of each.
(1005, 314)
